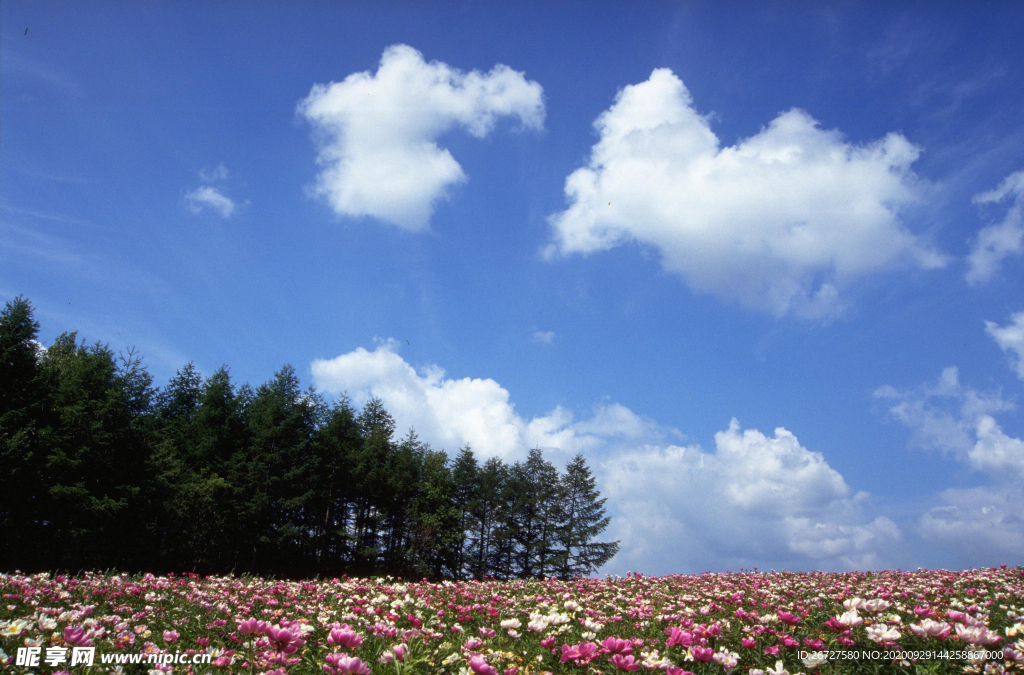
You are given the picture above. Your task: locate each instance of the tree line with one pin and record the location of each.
(99, 469)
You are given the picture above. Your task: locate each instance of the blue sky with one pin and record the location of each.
(610, 228)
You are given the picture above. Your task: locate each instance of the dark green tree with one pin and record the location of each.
(22, 405)
(583, 519)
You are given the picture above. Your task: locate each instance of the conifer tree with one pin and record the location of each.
(584, 518)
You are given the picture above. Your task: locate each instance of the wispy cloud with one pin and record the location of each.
(543, 337)
(1000, 240)
(208, 197)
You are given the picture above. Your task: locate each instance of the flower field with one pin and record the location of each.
(752, 622)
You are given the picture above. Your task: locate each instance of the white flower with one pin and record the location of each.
(511, 623)
(778, 670)
(815, 659)
(849, 619)
(877, 605)
(883, 633)
(571, 606)
(588, 635)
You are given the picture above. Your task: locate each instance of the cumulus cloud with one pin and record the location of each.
(1010, 338)
(983, 524)
(450, 413)
(1002, 239)
(207, 197)
(756, 500)
(781, 221)
(378, 132)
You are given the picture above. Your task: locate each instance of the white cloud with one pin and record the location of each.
(782, 221)
(219, 172)
(543, 337)
(958, 421)
(981, 525)
(756, 500)
(378, 132)
(207, 197)
(1006, 238)
(1010, 338)
(450, 413)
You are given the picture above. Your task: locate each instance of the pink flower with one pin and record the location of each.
(347, 639)
(511, 671)
(582, 652)
(748, 643)
(253, 627)
(678, 636)
(473, 644)
(771, 651)
(77, 637)
(625, 662)
(977, 635)
(479, 666)
(705, 654)
(929, 628)
(675, 670)
(171, 636)
(401, 652)
(548, 643)
(617, 646)
(486, 632)
(284, 639)
(340, 663)
(221, 662)
(789, 618)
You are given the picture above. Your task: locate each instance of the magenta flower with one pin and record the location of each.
(340, 663)
(346, 639)
(679, 637)
(284, 640)
(616, 646)
(479, 666)
(625, 662)
(788, 618)
(171, 636)
(705, 654)
(77, 637)
(253, 627)
(582, 652)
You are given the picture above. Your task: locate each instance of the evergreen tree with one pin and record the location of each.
(485, 517)
(337, 447)
(22, 404)
(537, 514)
(584, 518)
(465, 478)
